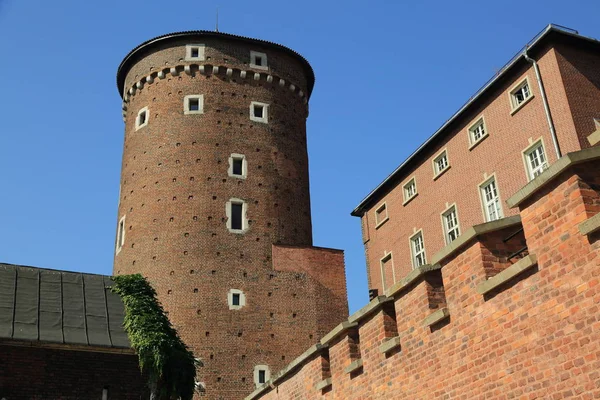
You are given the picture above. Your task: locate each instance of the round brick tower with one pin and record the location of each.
(214, 177)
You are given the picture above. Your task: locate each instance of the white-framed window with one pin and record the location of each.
(258, 60)
(236, 299)
(387, 264)
(535, 159)
(120, 235)
(381, 215)
(238, 167)
(262, 373)
(520, 94)
(450, 224)
(409, 189)
(490, 200)
(194, 52)
(417, 250)
(142, 118)
(440, 163)
(259, 112)
(193, 104)
(237, 222)
(477, 132)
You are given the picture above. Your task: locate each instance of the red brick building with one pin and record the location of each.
(507, 133)
(62, 337)
(503, 302)
(214, 203)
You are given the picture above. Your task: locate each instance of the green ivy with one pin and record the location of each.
(164, 358)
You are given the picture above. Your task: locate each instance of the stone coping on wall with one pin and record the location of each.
(472, 233)
(590, 225)
(509, 273)
(391, 294)
(563, 163)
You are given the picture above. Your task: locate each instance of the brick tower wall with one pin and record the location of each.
(174, 189)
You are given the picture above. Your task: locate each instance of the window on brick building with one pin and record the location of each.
(142, 118)
(388, 277)
(236, 216)
(490, 199)
(258, 60)
(535, 159)
(520, 94)
(381, 215)
(259, 112)
(236, 299)
(194, 52)
(237, 166)
(193, 104)
(120, 234)
(477, 132)
(450, 224)
(417, 248)
(440, 163)
(262, 374)
(410, 190)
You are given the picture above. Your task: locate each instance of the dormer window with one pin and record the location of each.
(258, 60)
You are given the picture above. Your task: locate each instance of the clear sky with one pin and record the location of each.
(388, 74)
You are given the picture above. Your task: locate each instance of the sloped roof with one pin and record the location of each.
(60, 307)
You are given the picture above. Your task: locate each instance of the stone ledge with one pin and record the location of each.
(412, 276)
(590, 225)
(325, 383)
(373, 306)
(337, 331)
(436, 316)
(509, 273)
(594, 138)
(354, 366)
(472, 233)
(389, 345)
(552, 172)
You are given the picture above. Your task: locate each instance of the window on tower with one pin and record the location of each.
(120, 235)
(237, 166)
(142, 118)
(259, 112)
(236, 216)
(236, 299)
(258, 60)
(262, 374)
(194, 52)
(193, 104)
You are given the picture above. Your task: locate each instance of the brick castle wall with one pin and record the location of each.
(174, 189)
(527, 328)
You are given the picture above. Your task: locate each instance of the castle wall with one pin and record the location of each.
(520, 328)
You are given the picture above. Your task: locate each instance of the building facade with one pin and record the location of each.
(543, 104)
(214, 205)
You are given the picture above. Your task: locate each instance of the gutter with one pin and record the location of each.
(538, 76)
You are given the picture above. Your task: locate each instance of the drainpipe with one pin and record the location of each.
(545, 101)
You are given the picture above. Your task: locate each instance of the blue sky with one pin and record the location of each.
(389, 73)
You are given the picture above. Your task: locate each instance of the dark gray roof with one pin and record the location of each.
(59, 307)
(141, 50)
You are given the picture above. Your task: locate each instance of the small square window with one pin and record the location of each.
(477, 132)
(258, 60)
(142, 118)
(193, 104)
(520, 95)
(381, 215)
(259, 112)
(237, 166)
(410, 190)
(261, 374)
(535, 160)
(236, 299)
(194, 52)
(440, 163)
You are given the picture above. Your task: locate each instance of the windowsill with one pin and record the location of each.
(382, 222)
(442, 172)
(237, 176)
(238, 231)
(261, 67)
(410, 199)
(137, 128)
(188, 112)
(261, 120)
(517, 108)
(472, 146)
